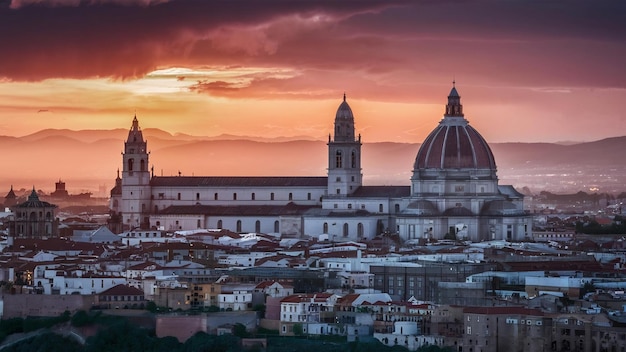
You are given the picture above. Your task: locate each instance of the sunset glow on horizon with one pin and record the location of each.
(540, 72)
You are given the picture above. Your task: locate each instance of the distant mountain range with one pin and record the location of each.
(88, 159)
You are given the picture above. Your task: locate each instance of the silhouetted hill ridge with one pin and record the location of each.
(93, 156)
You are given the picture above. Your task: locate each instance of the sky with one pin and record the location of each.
(529, 71)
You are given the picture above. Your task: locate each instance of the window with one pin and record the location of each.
(197, 196)
(198, 224)
(238, 226)
(178, 196)
(359, 230)
(272, 196)
(142, 165)
(345, 230)
(215, 197)
(459, 188)
(349, 206)
(397, 208)
(308, 196)
(130, 164)
(325, 228)
(257, 226)
(253, 196)
(276, 226)
(338, 191)
(234, 196)
(380, 208)
(338, 179)
(219, 224)
(353, 161)
(290, 196)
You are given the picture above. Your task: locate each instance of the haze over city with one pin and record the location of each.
(527, 72)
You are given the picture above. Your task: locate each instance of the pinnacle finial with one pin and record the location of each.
(344, 96)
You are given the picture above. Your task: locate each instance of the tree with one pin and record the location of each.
(151, 307)
(240, 330)
(298, 330)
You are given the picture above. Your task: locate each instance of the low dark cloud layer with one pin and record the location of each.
(523, 43)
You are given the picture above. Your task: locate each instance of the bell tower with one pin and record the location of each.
(344, 155)
(136, 194)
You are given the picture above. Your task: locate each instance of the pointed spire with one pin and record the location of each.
(33, 195)
(344, 96)
(454, 107)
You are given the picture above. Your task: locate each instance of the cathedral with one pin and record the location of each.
(453, 193)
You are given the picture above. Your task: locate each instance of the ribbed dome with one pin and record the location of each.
(344, 112)
(344, 122)
(454, 144)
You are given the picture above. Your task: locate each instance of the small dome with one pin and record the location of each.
(344, 123)
(344, 112)
(458, 211)
(500, 208)
(454, 144)
(422, 207)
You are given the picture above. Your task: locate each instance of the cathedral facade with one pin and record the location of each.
(454, 193)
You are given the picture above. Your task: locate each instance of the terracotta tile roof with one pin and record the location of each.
(122, 290)
(307, 297)
(144, 265)
(247, 181)
(502, 310)
(238, 210)
(382, 191)
(268, 283)
(554, 265)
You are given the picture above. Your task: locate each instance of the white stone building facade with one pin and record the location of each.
(454, 192)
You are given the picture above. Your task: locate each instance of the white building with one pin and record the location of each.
(454, 191)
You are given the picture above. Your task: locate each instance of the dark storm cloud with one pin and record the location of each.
(87, 39)
(546, 43)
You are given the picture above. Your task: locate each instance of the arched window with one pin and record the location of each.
(325, 228)
(359, 230)
(215, 196)
(276, 226)
(48, 216)
(219, 224)
(338, 161)
(272, 196)
(142, 165)
(397, 208)
(130, 164)
(345, 230)
(257, 226)
(238, 226)
(353, 159)
(290, 196)
(234, 196)
(253, 196)
(380, 208)
(197, 196)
